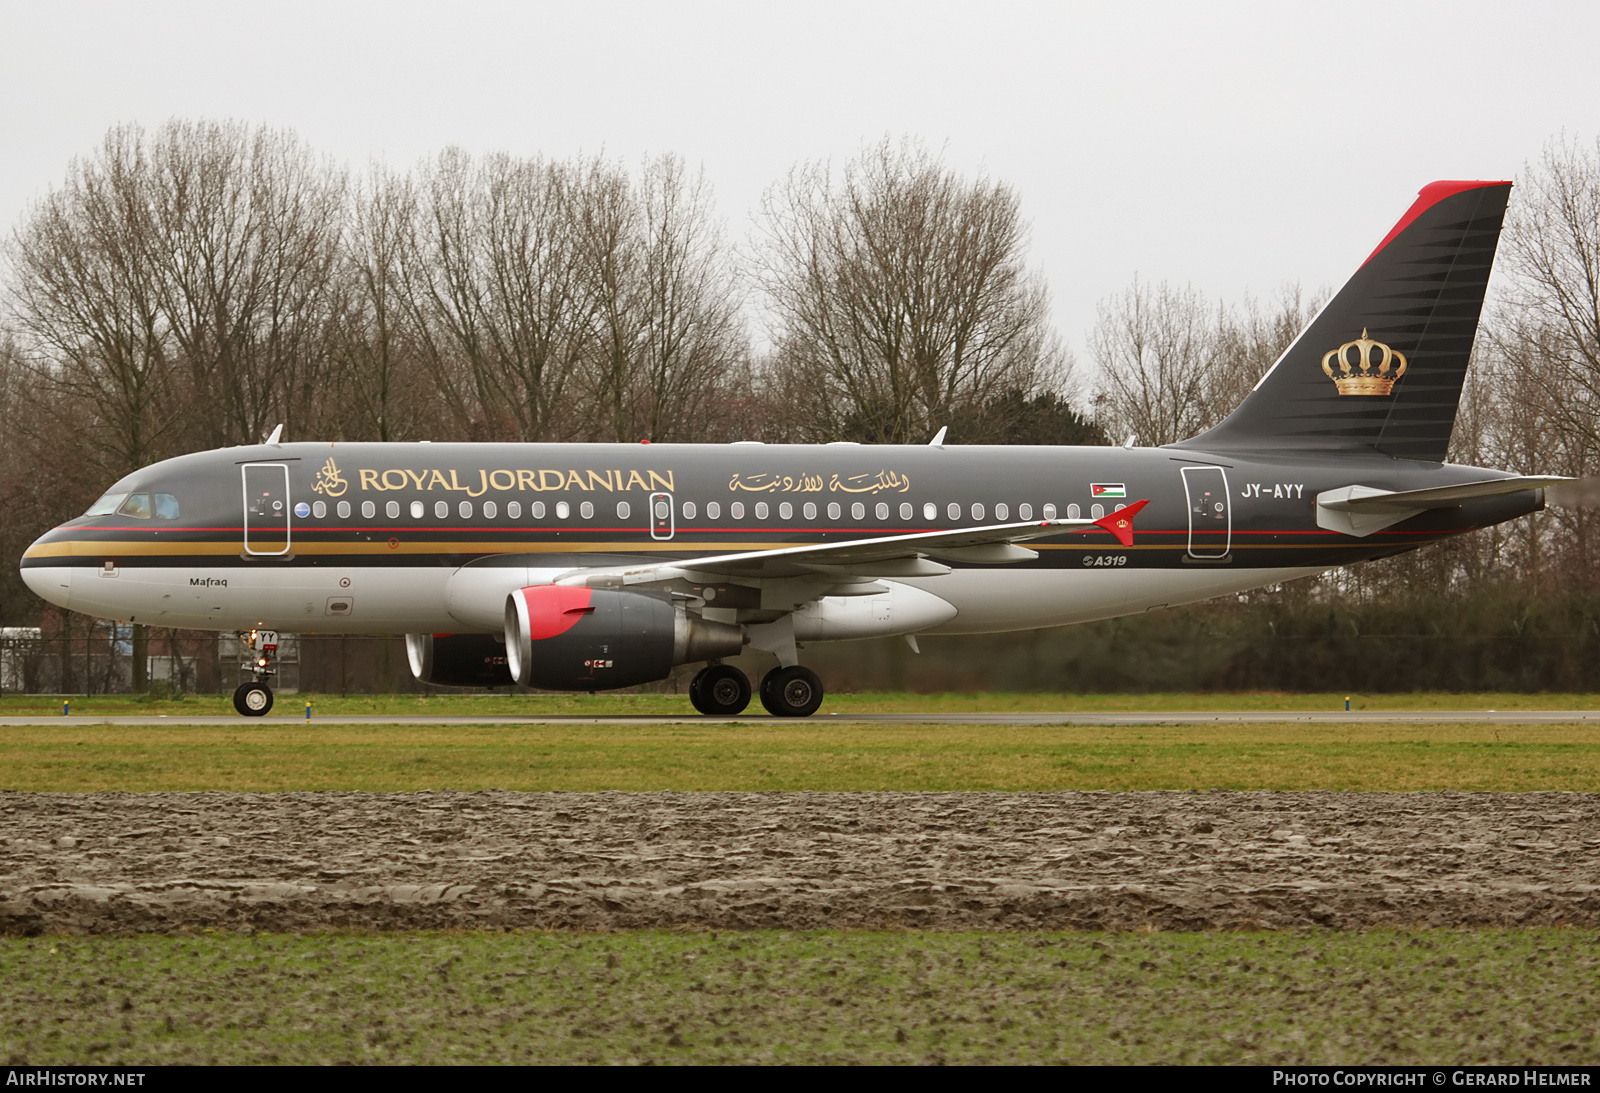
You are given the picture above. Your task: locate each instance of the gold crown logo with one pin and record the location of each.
(1360, 376)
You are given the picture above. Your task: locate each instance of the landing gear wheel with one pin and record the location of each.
(791, 692)
(253, 699)
(720, 691)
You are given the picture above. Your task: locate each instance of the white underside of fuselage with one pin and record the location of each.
(401, 600)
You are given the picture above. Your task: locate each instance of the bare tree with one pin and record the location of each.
(1155, 347)
(378, 367)
(87, 301)
(691, 341)
(899, 296)
(1173, 363)
(249, 224)
(1541, 353)
(501, 292)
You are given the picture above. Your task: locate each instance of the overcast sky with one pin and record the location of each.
(1231, 146)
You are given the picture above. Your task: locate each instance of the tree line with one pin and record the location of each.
(192, 286)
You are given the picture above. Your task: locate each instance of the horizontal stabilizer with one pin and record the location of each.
(1362, 510)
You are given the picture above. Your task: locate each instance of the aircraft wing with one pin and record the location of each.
(881, 556)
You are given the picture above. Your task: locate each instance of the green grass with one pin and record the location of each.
(817, 754)
(611, 704)
(1420, 998)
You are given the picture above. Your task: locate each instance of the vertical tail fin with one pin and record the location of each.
(1381, 367)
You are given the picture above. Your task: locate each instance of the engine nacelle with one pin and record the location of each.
(458, 660)
(570, 638)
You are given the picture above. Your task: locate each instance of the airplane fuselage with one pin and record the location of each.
(397, 538)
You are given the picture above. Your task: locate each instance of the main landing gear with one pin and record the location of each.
(721, 690)
(254, 699)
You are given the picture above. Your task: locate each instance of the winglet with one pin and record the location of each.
(1120, 523)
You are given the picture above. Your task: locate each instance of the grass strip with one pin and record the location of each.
(1430, 997)
(621, 704)
(832, 754)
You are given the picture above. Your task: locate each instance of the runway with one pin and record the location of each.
(1075, 717)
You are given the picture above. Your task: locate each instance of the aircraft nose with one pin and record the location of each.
(50, 582)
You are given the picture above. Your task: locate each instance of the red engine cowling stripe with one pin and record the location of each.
(554, 608)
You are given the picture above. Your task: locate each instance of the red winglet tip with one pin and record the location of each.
(1120, 522)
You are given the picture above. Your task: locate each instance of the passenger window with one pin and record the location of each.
(392, 510)
(368, 509)
(1074, 512)
(1050, 512)
(977, 511)
(344, 510)
(138, 506)
(713, 510)
(906, 510)
(167, 507)
(736, 510)
(465, 510)
(953, 511)
(623, 510)
(858, 511)
(563, 510)
(833, 510)
(514, 510)
(761, 510)
(1024, 511)
(586, 510)
(319, 509)
(490, 510)
(1001, 511)
(1096, 511)
(417, 510)
(536, 510)
(883, 511)
(930, 511)
(441, 510)
(811, 510)
(786, 511)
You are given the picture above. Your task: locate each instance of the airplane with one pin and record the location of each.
(585, 567)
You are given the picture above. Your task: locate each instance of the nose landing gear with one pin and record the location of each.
(254, 699)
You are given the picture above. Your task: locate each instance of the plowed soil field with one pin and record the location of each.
(178, 862)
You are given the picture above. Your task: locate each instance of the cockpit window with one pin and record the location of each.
(137, 506)
(107, 504)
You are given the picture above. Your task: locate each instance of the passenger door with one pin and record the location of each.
(266, 509)
(1210, 521)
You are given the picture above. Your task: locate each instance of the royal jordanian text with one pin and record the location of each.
(507, 481)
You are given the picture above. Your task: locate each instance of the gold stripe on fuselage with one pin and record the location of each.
(115, 548)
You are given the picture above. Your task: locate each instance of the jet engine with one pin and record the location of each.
(568, 638)
(458, 660)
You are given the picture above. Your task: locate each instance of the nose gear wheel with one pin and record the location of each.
(253, 699)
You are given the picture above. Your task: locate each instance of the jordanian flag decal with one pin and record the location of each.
(1107, 489)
